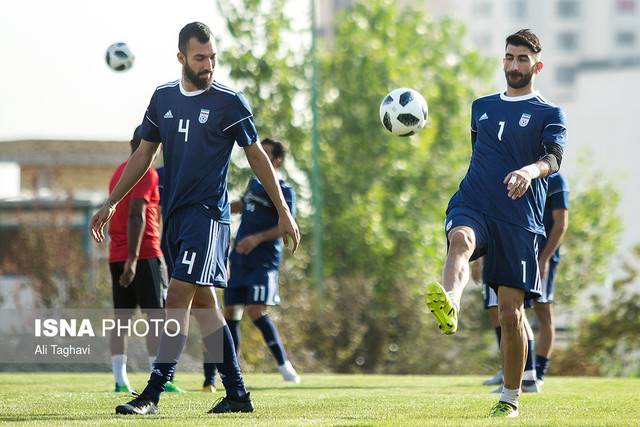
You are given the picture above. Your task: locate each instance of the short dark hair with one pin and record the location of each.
(194, 29)
(279, 150)
(524, 37)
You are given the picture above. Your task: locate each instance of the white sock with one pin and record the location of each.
(455, 299)
(529, 375)
(119, 368)
(510, 396)
(151, 360)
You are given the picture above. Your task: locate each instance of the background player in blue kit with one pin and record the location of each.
(197, 120)
(255, 260)
(517, 140)
(556, 221)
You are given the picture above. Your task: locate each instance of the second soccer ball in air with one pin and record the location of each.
(403, 111)
(119, 57)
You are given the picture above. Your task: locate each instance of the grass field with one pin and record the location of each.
(86, 399)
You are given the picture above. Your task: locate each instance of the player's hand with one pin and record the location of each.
(100, 219)
(129, 272)
(247, 244)
(518, 182)
(289, 228)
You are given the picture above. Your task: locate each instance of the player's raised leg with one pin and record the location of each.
(444, 300)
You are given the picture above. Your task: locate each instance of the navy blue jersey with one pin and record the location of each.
(259, 214)
(508, 133)
(557, 198)
(197, 131)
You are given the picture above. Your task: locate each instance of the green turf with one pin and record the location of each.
(87, 399)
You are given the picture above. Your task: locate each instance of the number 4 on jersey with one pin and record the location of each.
(184, 129)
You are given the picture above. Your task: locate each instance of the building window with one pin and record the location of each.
(482, 9)
(626, 7)
(565, 76)
(518, 9)
(568, 8)
(568, 42)
(625, 39)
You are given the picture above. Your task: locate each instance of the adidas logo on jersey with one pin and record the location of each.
(219, 278)
(168, 115)
(483, 117)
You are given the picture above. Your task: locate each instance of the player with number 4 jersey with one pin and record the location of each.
(197, 121)
(517, 140)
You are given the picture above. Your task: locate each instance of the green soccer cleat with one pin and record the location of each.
(503, 410)
(170, 387)
(123, 388)
(440, 305)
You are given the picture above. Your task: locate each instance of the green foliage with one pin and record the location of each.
(269, 71)
(607, 341)
(591, 239)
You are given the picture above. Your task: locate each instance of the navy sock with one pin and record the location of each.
(542, 366)
(229, 368)
(209, 369)
(164, 368)
(499, 334)
(272, 338)
(234, 327)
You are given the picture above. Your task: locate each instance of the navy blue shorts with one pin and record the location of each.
(197, 246)
(257, 286)
(511, 251)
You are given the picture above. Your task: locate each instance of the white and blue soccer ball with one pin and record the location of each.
(403, 111)
(119, 57)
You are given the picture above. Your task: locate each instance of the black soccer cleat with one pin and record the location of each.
(141, 405)
(226, 404)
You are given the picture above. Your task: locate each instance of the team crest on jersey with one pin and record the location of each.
(524, 120)
(204, 116)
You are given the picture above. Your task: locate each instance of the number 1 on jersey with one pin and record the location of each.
(500, 131)
(184, 129)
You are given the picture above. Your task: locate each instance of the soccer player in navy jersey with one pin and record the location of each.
(197, 120)
(517, 140)
(255, 261)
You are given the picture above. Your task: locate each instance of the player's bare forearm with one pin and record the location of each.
(269, 235)
(261, 166)
(139, 162)
(556, 234)
(137, 165)
(135, 227)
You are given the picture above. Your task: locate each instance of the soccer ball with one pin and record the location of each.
(119, 57)
(403, 111)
